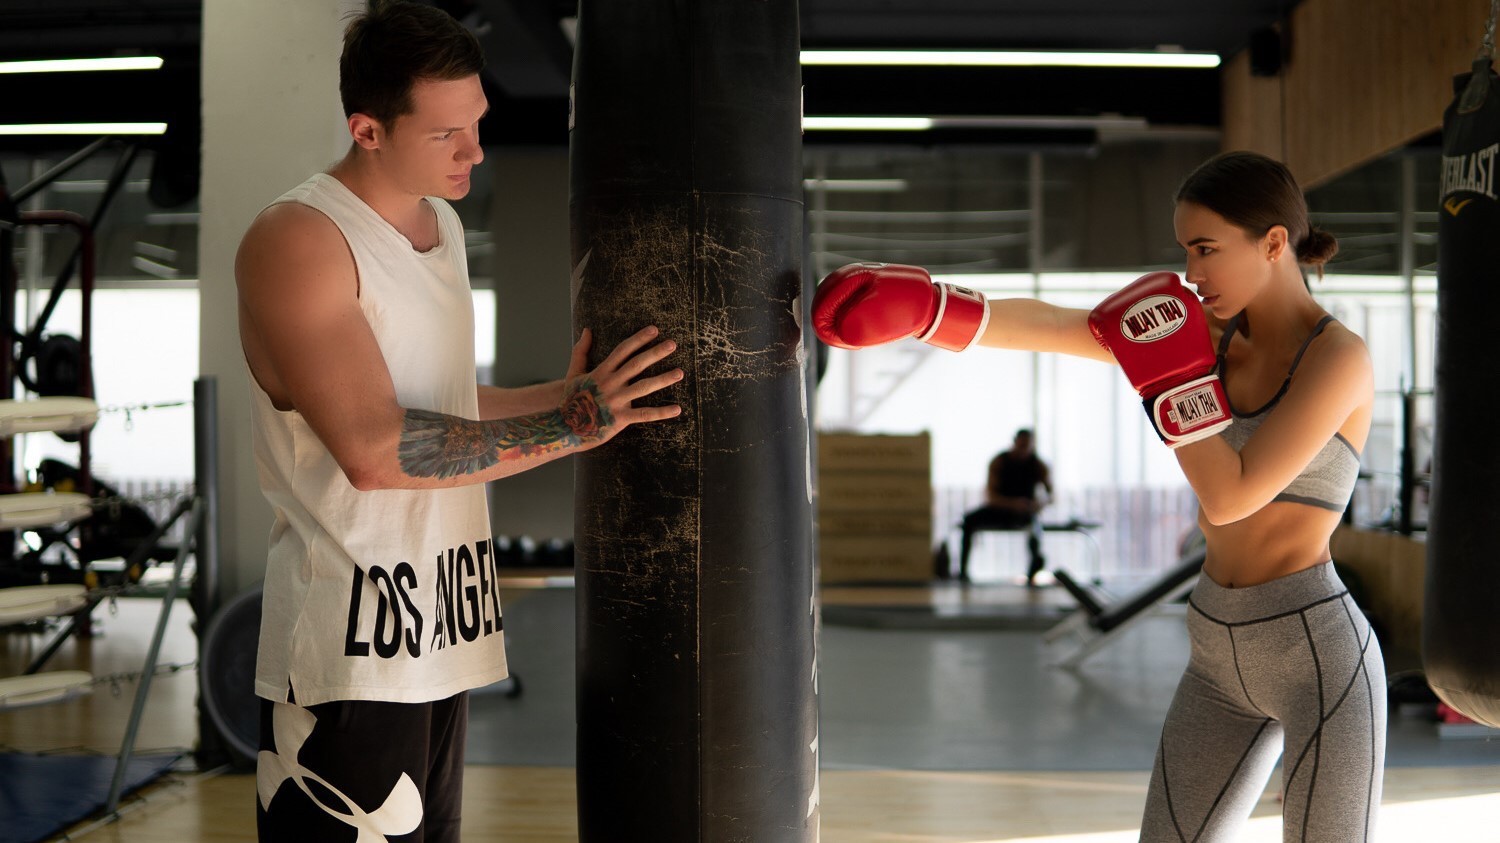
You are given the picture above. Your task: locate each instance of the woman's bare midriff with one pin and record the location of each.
(1282, 538)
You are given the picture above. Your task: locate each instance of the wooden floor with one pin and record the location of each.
(524, 804)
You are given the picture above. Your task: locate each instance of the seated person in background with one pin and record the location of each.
(1010, 502)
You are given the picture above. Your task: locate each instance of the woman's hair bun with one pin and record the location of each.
(1317, 247)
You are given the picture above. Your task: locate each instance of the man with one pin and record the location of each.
(373, 441)
(1011, 503)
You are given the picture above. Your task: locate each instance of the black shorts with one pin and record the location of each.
(346, 770)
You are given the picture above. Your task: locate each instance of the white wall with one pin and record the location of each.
(271, 117)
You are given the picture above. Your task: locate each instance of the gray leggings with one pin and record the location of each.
(1289, 662)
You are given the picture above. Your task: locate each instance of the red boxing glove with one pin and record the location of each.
(1156, 330)
(865, 304)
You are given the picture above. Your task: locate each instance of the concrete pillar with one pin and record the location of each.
(271, 117)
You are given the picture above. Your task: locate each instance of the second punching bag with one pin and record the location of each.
(697, 709)
(1460, 640)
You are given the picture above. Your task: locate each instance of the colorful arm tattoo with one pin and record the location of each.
(439, 445)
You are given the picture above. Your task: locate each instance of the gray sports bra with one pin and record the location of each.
(1328, 481)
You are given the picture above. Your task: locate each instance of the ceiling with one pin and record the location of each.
(529, 56)
(528, 51)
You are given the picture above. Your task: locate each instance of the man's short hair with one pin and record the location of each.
(394, 45)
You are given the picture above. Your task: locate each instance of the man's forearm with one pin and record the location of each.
(497, 402)
(442, 446)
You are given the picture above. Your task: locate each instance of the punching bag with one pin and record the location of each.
(1460, 640)
(697, 709)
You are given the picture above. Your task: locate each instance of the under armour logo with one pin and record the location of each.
(290, 725)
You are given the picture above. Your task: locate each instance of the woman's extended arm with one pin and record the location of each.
(867, 304)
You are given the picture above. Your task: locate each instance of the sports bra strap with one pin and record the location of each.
(1318, 329)
(1229, 332)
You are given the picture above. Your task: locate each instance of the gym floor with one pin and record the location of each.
(927, 735)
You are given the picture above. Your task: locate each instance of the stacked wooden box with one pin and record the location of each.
(1392, 570)
(874, 508)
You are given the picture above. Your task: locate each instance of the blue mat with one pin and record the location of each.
(41, 795)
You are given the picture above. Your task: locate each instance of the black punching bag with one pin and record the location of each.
(697, 707)
(1460, 638)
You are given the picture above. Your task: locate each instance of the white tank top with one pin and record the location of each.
(390, 594)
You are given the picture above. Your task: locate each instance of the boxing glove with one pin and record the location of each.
(865, 304)
(1156, 330)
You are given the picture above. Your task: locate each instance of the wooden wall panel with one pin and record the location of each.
(1251, 108)
(1364, 77)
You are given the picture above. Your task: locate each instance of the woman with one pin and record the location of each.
(1283, 662)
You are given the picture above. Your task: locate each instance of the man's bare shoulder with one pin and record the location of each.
(291, 239)
(294, 225)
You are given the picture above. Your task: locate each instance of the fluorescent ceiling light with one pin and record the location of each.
(919, 124)
(83, 129)
(70, 65)
(1007, 58)
(883, 124)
